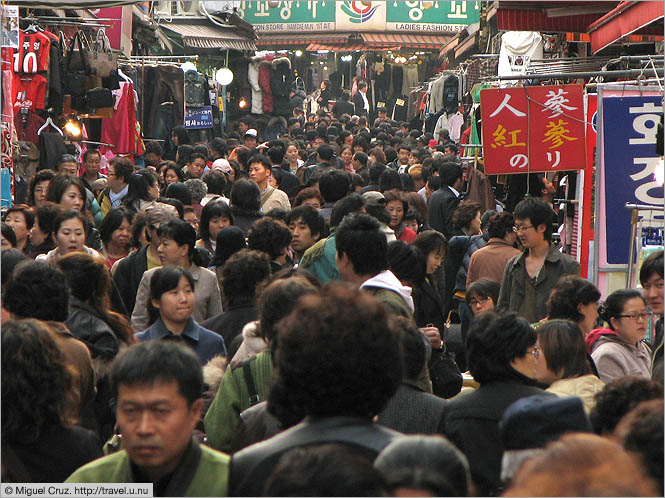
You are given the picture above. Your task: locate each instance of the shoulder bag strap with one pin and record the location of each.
(249, 380)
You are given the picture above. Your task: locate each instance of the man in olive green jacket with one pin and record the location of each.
(158, 386)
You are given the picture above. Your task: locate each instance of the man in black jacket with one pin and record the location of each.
(443, 202)
(343, 106)
(360, 100)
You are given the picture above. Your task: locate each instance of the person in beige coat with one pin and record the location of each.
(562, 362)
(260, 171)
(176, 247)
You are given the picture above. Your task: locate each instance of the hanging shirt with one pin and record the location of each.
(29, 90)
(455, 126)
(32, 55)
(27, 130)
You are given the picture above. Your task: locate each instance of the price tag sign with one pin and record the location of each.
(399, 102)
(197, 118)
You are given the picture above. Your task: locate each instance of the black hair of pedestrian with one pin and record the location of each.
(183, 154)
(10, 258)
(172, 166)
(309, 216)
(151, 362)
(568, 293)
(334, 185)
(375, 172)
(242, 274)
(44, 175)
(359, 237)
(229, 241)
(213, 209)
(538, 212)
(37, 282)
(9, 234)
(181, 133)
(176, 203)
(652, 265)
(407, 263)
(112, 222)
(483, 288)
(269, 236)
(182, 233)
(245, 194)
(390, 179)
(352, 203)
(216, 182)
(615, 302)
(407, 182)
(325, 470)
(619, 397)
(493, 342)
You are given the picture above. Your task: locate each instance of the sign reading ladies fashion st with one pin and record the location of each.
(320, 15)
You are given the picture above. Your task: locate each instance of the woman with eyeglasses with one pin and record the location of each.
(620, 350)
(561, 362)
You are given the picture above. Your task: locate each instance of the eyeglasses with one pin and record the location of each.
(535, 352)
(521, 228)
(475, 302)
(635, 316)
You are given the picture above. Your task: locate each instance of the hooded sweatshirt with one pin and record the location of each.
(398, 299)
(614, 358)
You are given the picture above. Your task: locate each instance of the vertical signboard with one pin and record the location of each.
(628, 164)
(532, 129)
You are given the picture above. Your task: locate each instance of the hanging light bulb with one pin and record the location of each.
(73, 128)
(298, 53)
(242, 103)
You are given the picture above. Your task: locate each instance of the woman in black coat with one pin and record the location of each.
(325, 94)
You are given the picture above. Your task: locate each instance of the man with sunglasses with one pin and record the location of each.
(530, 276)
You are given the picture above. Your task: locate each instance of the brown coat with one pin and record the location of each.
(490, 261)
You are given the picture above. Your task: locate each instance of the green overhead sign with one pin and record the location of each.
(320, 15)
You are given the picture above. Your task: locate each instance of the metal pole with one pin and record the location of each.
(644, 206)
(588, 74)
(631, 252)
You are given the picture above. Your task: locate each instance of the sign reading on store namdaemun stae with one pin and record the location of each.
(320, 15)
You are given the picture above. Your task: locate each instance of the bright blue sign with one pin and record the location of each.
(197, 118)
(629, 133)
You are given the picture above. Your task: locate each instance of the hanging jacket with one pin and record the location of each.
(194, 89)
(264, 82)
(253, 78)
(281, 79)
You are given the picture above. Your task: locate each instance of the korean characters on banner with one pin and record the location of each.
(628, 168)
(529, 129)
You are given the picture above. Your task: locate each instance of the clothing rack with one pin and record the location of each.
(59, 21)
(617, 74)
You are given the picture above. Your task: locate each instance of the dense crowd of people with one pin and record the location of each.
(328, 310)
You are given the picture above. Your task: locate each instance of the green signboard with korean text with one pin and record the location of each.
(288, 16)
(327, 15)
(431, 16)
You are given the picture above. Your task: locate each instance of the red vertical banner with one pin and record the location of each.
(587, 205)
(533, 129)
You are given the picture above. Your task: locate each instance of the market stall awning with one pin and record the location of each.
(627, 18)
(351, 46)
(288, 39)
(207, 36)
(406, 40)
(550, 16)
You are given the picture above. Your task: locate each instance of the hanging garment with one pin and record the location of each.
(55, 93)
(451, 93)
(455, 124)
(27, 126)
(480, 190)
(397, 81)
(281, 79)
(264, 83)
(517, 50)
(382, 81)
(195, 90)
(443, 123)
(51, 149)
(120, 130)
(409, 79)
(29, 90)
(32, 55)
(167, 84)
(253, 78)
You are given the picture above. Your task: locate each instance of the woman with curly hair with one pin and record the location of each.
(40, 442)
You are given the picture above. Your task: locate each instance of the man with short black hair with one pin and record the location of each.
(306, 226)
(91, 162)
(651, 279)
(362, 260)
(153, 154)
(260, 171)
(402, 161)
(157, 386)
(195, 167)
(334, 185)
(343, 106)
(530, 276)
(442, 203)
(360, 100)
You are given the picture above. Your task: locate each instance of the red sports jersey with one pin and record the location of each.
(29, 90)
(33, 52)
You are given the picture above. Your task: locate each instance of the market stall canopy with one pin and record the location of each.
(210, 36)
(280, 40)
(406, 40)
(645, 18)
(551, 17)
(71, 4)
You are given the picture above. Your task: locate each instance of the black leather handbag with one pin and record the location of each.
(76, 71)
(98, 98)
(444, 373)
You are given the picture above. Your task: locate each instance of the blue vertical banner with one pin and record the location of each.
(629, 148)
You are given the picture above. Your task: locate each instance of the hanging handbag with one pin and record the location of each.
(104, 63)
(78, 59)
(98, 98)
(444, 373)
(76, 71)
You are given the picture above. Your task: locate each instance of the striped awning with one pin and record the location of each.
(626, 19)
(407, 40)
(349, 47)
(289, 39)
(206, 36)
